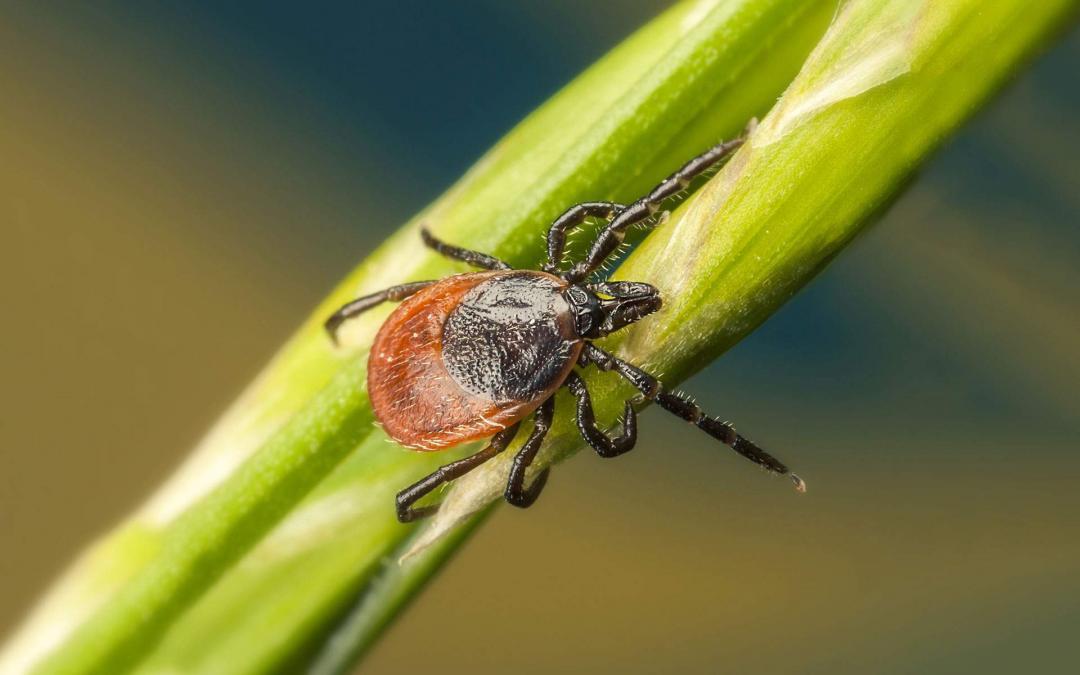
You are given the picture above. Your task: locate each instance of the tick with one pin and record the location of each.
(472, 355)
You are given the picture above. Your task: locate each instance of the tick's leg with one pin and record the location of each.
(607, 242)
(571, 218)
(474, 258)
(604, 445)
(516, 493)
(652, 389)
(361, 305)
(412, 494)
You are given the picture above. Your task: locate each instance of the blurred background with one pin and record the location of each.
(180, 185)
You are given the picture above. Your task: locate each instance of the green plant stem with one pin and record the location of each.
(883, 89)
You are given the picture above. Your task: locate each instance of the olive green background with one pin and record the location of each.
(178, 189)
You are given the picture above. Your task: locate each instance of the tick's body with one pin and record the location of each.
(470, 356)
(473, 355)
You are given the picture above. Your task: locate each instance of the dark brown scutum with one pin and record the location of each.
(511, 337)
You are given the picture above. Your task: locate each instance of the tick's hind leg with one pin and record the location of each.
(474, 258)
(679, 405)
(415, 492)
(516, 493)
(361, 305)
(604, 445)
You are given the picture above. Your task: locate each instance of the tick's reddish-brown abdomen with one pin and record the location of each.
(430, 400)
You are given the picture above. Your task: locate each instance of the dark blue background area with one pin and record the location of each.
(427, 87)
